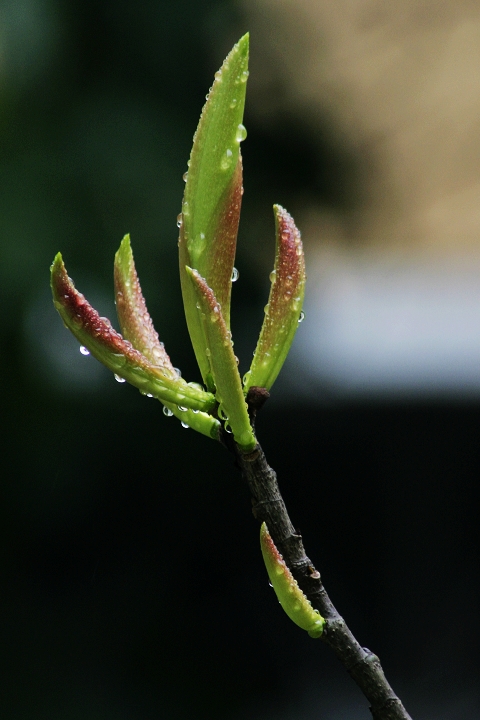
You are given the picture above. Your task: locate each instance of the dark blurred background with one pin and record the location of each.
(132, 582)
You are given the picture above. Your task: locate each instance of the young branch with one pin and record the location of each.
(268, 506)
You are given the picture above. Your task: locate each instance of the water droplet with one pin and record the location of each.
(222, 414)
(226, 160)
(179, 220)
(228, 429)
(178, 371)
(233, 103)
(119, 379)
(237, 360)
(246, 377)
(184, 424)
(266, 309)
(241, 133)
(149, 395)
(167, 412)
(302, 317)
(195, 412)
(84, 350)
(218, 75)
(270, 584)
(185, 176)
(181, 408)
(273, 276)
(235, 275)
(207, 352)
(195, 386)
(244, 76)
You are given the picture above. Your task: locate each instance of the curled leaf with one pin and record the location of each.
(283, 311)
(223, 363)
(116, 353)
(291, 598)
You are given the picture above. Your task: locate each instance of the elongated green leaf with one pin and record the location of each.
(291, 598)
(213, 193)
(116, 353)
(223, 363)
(137, 327)
(135, 321)
(283, 312)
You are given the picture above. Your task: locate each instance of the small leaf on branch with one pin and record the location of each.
(290, 597)
(284, 308)
(135, 321)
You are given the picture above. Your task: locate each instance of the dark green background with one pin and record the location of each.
(132, 582)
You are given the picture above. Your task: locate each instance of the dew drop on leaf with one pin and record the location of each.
(84, 350)
(241, 133)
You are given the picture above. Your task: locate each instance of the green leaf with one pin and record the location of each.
(135, 321)
(116, 353)
(290, 596)
(284, 309)
(137, 327)
(213, 193)
(223, 363)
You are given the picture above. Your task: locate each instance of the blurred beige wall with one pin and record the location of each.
(400, 82)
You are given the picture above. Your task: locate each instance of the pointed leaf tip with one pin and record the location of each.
(290, 596)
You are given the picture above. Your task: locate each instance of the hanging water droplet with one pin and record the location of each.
(179, 220)
(235, 275)
(266, 309)
(178, 371)
(273, 276)
(181, 408)
(246, 377)
(302, 317)
(184, 424)
(237, 360)
(185, 176)
(84, 350)
(195, 412)
(241, 133)
(196, 386)
(228, 429)
(226, 160)
(119, 379)
(167, 412)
